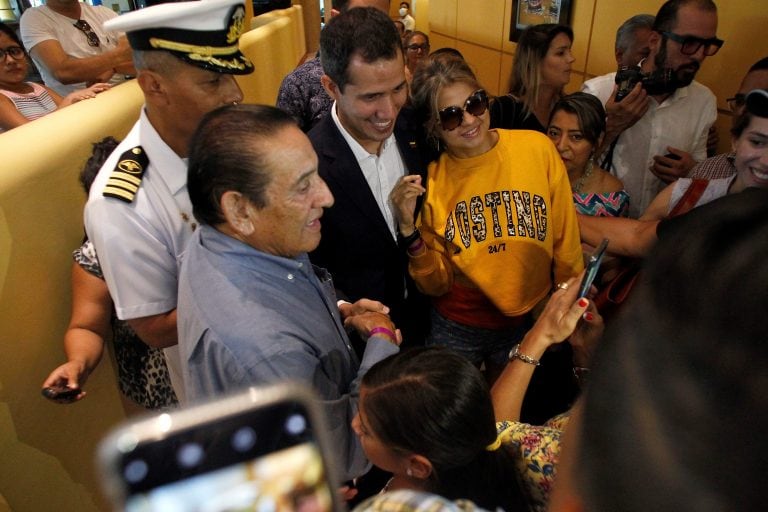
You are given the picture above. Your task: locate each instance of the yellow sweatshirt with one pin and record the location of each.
(504, 219)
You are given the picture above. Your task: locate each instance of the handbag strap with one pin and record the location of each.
(689, 199)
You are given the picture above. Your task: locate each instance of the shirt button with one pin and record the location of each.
(301, 265)
(290, 277)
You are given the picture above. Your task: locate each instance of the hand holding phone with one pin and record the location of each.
(263, 449)
(593, 265)
(61, 394)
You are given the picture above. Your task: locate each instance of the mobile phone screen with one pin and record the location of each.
(593, 265)
(266, 460)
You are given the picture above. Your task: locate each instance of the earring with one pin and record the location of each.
(409, 472)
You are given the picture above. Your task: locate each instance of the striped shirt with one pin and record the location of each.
(32, 104)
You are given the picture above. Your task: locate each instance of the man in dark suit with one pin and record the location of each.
(365, 151)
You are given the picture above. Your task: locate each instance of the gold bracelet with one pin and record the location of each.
(516, 354)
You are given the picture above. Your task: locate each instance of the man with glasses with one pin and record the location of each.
(70, 47)
(656, 136)
(721, 166)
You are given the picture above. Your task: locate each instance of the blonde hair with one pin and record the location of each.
(531, 50)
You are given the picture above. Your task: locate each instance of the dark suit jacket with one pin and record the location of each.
(356, 245)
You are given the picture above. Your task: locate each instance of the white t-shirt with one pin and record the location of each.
(42, 24)
(408, 22)
(681, 121)
(381, 172)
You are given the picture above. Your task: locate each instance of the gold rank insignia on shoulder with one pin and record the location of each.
(125, 179)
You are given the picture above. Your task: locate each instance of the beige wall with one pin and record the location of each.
(480, 30)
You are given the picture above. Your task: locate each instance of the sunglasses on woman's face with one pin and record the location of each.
(452, 117)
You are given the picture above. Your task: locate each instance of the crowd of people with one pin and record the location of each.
(412, 248)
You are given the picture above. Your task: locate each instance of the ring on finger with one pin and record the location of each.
(562, 286)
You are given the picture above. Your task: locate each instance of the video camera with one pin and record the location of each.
(660, 81)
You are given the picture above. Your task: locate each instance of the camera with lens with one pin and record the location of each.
(660, 81)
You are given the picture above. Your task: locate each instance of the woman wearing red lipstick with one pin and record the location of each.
(20, 101)
(541, 70)
(497, 222)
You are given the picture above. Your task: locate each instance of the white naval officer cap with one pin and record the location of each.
(203, 33)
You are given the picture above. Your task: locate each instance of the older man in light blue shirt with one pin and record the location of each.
(252, 308)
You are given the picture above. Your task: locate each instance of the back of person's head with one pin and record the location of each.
(228, 152)
(755, 107)
(760, 65)
(365, 32)
(531, 49)
(666, 18)
(446, 51)
(435, 403)
(676, 413)
(99, 154)
(588, 110)
(429, 79)
(5, 29)
(344, 5)
(626, 31)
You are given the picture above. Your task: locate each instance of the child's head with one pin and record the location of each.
(13, 62)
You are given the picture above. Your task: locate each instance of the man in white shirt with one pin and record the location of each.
(658, 136)
(139, 215)
(365, 148)
(406, 18)
(71, 48)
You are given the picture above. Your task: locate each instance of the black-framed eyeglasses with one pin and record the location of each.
(416, 47)
(452, 117)
(691, 44)
(85, 28)
(737, 102)
(16, 52)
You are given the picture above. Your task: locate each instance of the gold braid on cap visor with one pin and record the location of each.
(201, 53)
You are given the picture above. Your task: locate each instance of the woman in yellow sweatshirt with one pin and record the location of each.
(497, 227)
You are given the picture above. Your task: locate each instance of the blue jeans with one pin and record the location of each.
(475, 343)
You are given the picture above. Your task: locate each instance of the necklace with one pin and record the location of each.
(584, 177)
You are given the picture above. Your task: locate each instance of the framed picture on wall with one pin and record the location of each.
(535, 12)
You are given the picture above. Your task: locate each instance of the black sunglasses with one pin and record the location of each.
(16, 52)
(452, 117)
(691, 44)
(85, 28)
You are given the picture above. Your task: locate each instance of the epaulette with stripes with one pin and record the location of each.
(125, 180)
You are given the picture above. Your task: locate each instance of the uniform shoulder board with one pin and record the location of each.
(125, 179)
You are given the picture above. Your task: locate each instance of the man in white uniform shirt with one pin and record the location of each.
(138, 214)
(658, 137)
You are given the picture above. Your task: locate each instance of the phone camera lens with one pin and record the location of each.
(190, 455)
(135, 471)
(244, 439)
(296, 424)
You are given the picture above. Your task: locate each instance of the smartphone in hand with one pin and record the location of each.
(263, 449)
(593, 265)
(61, 394)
